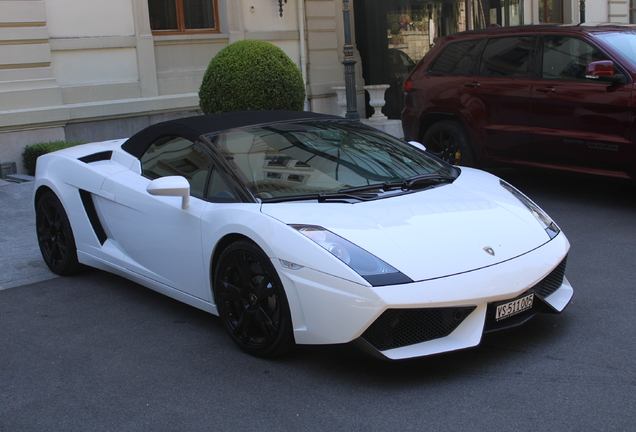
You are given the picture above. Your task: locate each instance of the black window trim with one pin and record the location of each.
(533, 72)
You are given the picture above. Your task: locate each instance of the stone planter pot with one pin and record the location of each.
(342, 99)
(376, 100)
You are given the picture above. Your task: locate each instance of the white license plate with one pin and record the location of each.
(514, 307)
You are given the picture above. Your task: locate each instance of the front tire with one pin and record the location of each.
(251, 301)
(55, 236)
(449, 141)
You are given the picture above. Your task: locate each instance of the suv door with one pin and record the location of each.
(497, 99)
(578, 122)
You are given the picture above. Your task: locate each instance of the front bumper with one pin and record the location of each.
(425, 317)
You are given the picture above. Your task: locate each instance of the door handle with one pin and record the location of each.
(473, 84)
(546, 90)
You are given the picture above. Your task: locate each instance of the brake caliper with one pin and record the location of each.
(458, 157)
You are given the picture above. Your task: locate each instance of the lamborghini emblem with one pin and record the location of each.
(489, 250)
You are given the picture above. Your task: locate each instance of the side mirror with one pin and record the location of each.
(602, 71)
(175, 186)
(417, 145)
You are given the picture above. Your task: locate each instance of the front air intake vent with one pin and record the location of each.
(96, 157)
(402, 327)
(551, 282)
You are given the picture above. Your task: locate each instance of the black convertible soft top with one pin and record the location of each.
(194, 127)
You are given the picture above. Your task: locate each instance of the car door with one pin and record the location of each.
(160, 240)
(497, 98)
(578, 122)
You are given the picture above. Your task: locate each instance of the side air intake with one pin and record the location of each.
(96, 157)
(91, 212)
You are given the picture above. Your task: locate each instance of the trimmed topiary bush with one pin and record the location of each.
(32, 152)
(251, 75)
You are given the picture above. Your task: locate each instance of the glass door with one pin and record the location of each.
(393, 35)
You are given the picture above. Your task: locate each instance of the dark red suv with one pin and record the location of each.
(550, 96)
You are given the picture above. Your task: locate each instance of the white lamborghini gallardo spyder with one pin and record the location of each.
(302, 228)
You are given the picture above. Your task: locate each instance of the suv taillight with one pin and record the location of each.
(407, 85)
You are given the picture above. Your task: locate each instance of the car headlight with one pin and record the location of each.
(548, 224)
(371, 268)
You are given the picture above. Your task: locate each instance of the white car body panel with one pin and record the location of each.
(412, 231)
(342, 310)
(153, 241)
(140, 222)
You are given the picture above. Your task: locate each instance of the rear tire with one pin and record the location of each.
(251, 301)
(55, 236)
(449, 141)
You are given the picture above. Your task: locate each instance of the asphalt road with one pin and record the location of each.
(98, 353)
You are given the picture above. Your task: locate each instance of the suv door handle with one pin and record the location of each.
(547, 90)
(473, 84)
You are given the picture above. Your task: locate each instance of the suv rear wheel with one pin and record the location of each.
(449, 141)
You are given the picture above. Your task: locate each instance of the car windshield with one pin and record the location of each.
(623, 42)
(323, 157)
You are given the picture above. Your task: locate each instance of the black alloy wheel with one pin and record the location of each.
(55, 236)
(449, 141)
(251, 301)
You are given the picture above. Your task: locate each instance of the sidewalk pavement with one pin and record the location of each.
(20, 259)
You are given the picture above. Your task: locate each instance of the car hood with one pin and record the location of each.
(431, 233)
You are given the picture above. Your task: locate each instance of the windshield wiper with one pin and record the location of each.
(353, 193)
(386, 186)
(322, 197)
(426, 179)
(405, 185)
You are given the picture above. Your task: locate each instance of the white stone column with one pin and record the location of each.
(145, 49)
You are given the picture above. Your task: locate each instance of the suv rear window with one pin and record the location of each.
(459, 58)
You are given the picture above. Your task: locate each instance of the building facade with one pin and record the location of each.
(85, 70)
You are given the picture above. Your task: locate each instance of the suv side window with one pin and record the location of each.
(508, 57)
(459, 58)
(566, 57)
